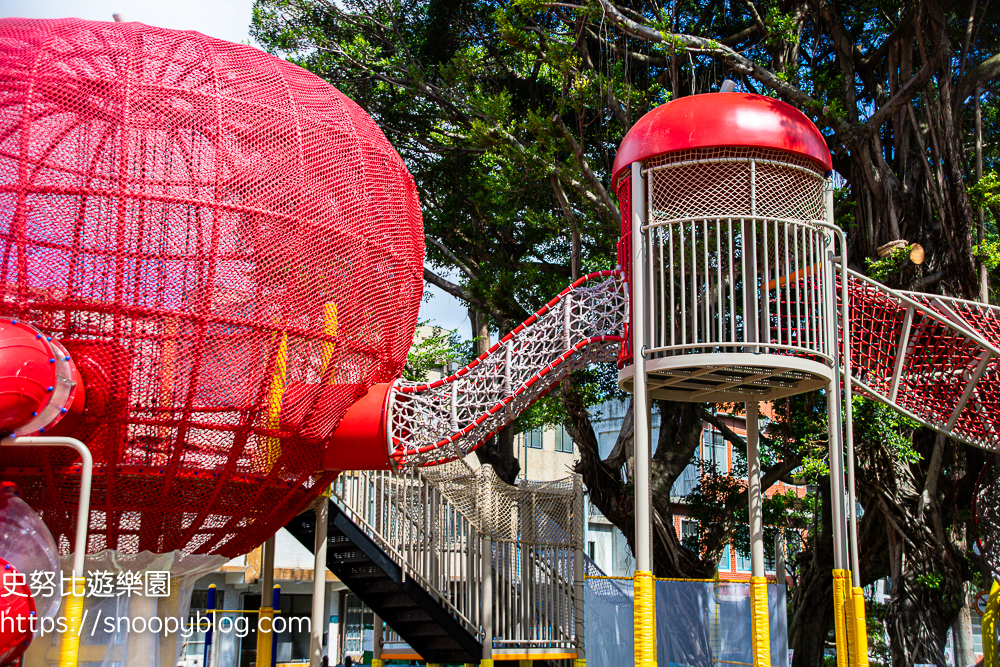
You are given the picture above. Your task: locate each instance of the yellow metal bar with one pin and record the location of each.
(989, 628)
(849, 625)
(486, 662)
(840, 617)
(760, 628)
(274, 396)
(264, 637)
(645, 619)
(329, 329)
(580, 662)
(860, 649)
(378, 662)
(69, 650)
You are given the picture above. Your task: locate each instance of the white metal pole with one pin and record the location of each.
(753, 489)
(834, 418)
(86, 479)
(643, 541)
(319, 584)
(643, 583)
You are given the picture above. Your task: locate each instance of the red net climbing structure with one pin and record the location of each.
(228, 247)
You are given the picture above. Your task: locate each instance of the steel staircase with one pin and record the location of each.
(408, 608)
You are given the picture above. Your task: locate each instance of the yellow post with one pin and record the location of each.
(849, 627)
(989, 628)
(580, 662)
(264, 636)
(274, 396)
(329, 329)
(760, 624)
(860, 649)
(69, 651)
(840, 617)
(645, 619)
(486, 662)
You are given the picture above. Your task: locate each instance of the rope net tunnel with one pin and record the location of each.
(230, 251)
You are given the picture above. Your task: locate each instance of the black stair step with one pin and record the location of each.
(394, 600)
(353, 557)
(376, 587)
(412, 615)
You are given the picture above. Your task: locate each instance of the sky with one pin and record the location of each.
(223, 19)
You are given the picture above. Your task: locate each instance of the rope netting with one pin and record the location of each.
(230, 249)
(447, 419)
(987, 514)
(931, 357)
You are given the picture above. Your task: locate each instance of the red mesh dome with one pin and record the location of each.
(230, 249)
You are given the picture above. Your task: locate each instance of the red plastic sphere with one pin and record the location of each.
(230, 250)
(26, 374)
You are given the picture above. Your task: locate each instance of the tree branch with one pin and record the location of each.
(588, 173)
(461, 293)
(736, 61)
(461, 265)
(985, 71)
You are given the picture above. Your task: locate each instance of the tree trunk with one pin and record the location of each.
(961, 633)
(812, 601)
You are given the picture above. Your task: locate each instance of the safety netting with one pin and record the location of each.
(231, 251)
(698, 624)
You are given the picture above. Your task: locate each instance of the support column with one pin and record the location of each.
(206, 659)
(758, 582)
(578, 574)
(319, 585)
(643, 583)
(377, 660)
(486, 599)
(267, 584)
(841, 576)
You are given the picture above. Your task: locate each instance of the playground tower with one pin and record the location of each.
(731, 261)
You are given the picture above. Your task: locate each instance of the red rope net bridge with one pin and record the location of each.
(229, 250)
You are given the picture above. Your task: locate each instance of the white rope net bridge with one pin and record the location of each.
(446, 419)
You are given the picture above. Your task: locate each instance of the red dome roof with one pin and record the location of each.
(714, 120)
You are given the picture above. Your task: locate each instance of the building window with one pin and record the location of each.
(724, 563)
(742, 562)
(564, 443)
(591, 549)
(714, 450)
(533, 439)
(690, 534)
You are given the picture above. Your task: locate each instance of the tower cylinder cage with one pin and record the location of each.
(739, 285)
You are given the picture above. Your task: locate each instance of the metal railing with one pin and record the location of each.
(736, 260)
(502, 560)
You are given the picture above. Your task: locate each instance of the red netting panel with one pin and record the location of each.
(625, 261)
(231, 250)
(939, 363)
(979, 420)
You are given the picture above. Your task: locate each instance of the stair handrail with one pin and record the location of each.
(376, 485)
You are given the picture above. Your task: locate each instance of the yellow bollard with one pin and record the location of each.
(760, 623)
(645, 619)
(989, 628)
(580, 662)
(486, 662)
(69, 651)
(840, 618)
(860, 623)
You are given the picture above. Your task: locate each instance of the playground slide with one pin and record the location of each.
(935, 359)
